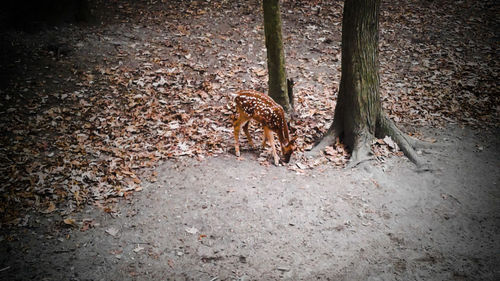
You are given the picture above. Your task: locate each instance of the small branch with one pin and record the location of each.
(145, 243)
(64, 251)
(289, 85)
(5, 268)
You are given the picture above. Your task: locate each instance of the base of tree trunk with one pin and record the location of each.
(361, 149)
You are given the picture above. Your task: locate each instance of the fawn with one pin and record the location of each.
(263, 109)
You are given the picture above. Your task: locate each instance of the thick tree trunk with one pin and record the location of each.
(275, 54)
(359, 91)
(358, 116)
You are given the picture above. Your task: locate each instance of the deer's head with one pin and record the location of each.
(288, 149)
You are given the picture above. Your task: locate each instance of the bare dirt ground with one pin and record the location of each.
(229, 219)
(116, 148)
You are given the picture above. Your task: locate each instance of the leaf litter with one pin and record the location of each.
(91, 125)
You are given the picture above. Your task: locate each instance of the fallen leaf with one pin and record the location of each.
(192, 230)
(50, 208)
(329, 150)
(390, 142)
(112, 231)
(138, 249)
(260, 71)
(70, 222)
(87, 224)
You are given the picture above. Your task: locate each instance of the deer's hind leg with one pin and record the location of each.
(242, 119)
(247, 133)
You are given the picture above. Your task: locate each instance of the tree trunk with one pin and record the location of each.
(358, 116)
(275, 54)
(359, 96)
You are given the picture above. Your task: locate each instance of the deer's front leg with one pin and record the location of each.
(270, 138)
(237, 124)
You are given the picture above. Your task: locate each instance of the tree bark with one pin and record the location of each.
(275, 54)
(358, 116)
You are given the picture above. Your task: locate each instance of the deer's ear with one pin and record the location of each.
(293, 139)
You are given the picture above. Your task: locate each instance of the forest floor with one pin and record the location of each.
(116, 153)
(229, 219)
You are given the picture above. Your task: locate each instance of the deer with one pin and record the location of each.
(253, 105)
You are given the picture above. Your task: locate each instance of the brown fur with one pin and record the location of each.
(261, 108)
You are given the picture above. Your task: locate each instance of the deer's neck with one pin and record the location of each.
(283, 132)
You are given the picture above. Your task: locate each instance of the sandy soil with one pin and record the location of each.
(229, 219)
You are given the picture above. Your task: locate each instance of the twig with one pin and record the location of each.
(5, 268)
(289, 85)
(63, 251)
(146, 243)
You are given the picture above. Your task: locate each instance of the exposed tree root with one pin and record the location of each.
(327, 140)
(362, 150)
(418, 144)
(407, 144)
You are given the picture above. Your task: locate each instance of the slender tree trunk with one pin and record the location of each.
(275, 54)
(358, 117)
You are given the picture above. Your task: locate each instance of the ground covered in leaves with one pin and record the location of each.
(224, 219)
(88, 111)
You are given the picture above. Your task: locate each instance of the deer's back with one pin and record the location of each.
(261, 108)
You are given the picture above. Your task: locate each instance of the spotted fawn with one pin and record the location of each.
(261, 108)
